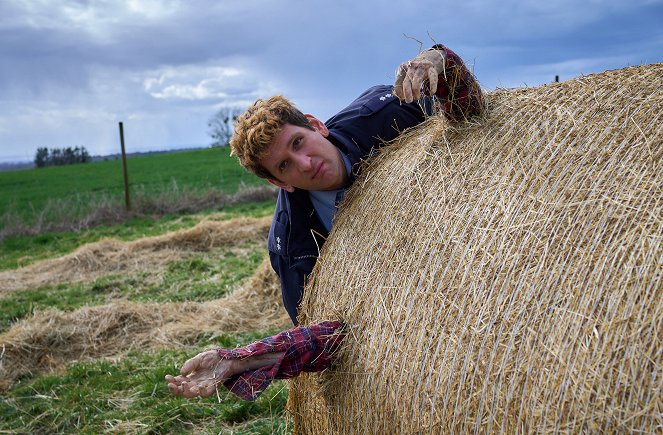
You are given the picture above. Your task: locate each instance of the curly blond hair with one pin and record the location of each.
(256, 128)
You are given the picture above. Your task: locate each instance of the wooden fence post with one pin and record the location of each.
(127, 199)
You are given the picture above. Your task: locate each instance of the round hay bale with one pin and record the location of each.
(503, 275)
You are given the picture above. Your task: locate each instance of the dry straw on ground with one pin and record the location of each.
(52, 338)
(113, 256)
(49, 339)
(504, 275)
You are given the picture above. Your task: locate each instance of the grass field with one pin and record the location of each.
(119, 387)
(42, 193)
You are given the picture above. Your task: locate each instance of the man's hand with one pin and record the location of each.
(411, 75)
(201, 374)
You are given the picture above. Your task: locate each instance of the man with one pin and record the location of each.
(313, 163)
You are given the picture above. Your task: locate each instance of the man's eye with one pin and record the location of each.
(283, 166)
(296, 143)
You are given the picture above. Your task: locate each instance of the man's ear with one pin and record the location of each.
(281, 184)
(318, 125)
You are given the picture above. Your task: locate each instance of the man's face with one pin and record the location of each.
(305, 159)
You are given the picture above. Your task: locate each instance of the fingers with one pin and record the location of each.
(190, 388)
(398, 85)
(432, 80)
(414, 79)
(408, 89)
(174, 385)
(410, 78)
(198, 389)
(199, 376)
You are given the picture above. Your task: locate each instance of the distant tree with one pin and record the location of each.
(41, 157)
(68, 156)
(77, 154)
(84, 155)
(221, 125)
(56, 157)
(61, 156)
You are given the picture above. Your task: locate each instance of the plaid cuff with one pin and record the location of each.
(457, 90)
(308, 349)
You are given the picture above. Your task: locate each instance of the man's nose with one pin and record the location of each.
(304, 163)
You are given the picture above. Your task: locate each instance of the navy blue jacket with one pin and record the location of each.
(375, 117)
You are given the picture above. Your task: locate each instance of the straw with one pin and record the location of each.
(502, 275)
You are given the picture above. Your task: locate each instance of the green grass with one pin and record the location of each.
(130, 396)
(31, 194)
(228, 270)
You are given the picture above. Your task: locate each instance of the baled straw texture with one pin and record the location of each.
(502, 276)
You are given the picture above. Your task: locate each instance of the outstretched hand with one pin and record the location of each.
(200, 375)
(412, 74)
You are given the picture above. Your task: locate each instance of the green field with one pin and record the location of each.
(29, 194)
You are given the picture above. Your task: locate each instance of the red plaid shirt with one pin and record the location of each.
(306, 349)
(457, 90)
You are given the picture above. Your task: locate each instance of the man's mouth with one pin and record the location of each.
(317, 171)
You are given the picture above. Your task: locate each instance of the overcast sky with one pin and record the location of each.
(70, 70)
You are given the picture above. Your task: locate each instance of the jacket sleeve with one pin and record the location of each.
(458, 91)
(292, 275)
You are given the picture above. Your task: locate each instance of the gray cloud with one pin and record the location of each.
(72, 69)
